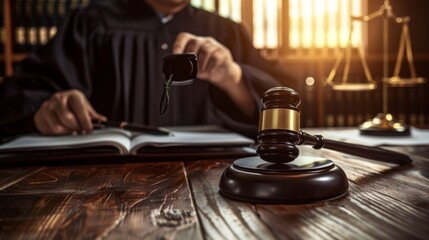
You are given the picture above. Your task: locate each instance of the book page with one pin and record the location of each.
(114, 137)
(187, 137)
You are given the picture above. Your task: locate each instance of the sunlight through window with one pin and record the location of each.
(311, 24)
(323, 23)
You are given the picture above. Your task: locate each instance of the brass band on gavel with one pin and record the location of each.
(279, 118)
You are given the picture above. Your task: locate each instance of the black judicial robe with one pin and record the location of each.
(112, 51)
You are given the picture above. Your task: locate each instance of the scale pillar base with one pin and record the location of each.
(384, 125)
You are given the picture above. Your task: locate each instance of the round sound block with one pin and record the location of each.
(305, 180)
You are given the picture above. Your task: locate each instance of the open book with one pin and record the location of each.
(192, 140)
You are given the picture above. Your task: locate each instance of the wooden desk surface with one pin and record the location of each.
(180, 200)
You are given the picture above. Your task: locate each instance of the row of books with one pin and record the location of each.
(34, 22)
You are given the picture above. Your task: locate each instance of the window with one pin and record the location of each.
(266, 29)
(323, 23)
(208, 5)
(310, 24)
(226, 8)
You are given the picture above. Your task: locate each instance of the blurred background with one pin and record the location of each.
(307, 36)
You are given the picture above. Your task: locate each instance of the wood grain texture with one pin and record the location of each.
(10, 176)
(181, 200)
(385, 202)
(220, 217)
(132, 201)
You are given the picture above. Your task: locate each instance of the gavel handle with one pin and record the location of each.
(374, 153)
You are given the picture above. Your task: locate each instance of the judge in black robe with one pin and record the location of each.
(112, 52)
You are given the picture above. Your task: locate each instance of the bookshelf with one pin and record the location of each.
(29, 24)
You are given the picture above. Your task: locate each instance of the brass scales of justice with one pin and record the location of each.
(384, 123)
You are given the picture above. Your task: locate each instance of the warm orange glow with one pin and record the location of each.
(294, 36)
(230, 9)
(310, 81)
(271, 8)
(265, 23)
(312, 23)
(227, 8)
(208, 5)
(323, 23)
(332, 32)
(319, 14)
(357, 26)
(306, 15)
(258, 24)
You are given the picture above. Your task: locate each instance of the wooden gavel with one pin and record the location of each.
(279, 133)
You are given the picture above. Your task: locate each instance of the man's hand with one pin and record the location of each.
(215, 62)
(66, 112)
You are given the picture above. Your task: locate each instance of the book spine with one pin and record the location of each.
(43, 21)
(19, 26)
(53, 17)
(67, 6)
(36, 21)
(33, 27)
(61, 10)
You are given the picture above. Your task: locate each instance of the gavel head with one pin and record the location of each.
(279, 125)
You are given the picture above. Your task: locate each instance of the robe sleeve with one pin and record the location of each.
(58, 66)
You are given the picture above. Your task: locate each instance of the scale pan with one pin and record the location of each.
(404, 82)
(353, 86)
